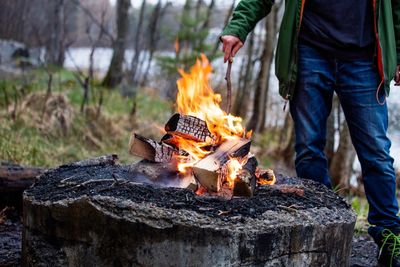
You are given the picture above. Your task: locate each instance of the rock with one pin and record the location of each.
(13, 54)
(10, 241)
(99, 216)
(364, 252)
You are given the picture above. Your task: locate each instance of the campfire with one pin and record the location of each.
(209, 148)
(98, 212)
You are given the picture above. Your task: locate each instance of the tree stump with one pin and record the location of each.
(112, 215)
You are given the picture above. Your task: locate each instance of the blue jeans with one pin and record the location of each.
(355, 83)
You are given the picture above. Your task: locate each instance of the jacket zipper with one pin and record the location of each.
(295, 53)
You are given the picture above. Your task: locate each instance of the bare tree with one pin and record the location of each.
(97, 18)
(137, 44)
(11, 28)
(342, 161)
(115, 71)
(154, 30)
(86, 79)
(242, 97)
(55, 49)
(287, 151)
(257, 120)
(333, 120)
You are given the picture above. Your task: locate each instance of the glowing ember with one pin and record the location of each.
(234, 166)
(265, 178)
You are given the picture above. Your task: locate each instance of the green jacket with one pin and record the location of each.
(387, 31)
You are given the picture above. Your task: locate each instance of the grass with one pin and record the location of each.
(25, 140)
(360, 206)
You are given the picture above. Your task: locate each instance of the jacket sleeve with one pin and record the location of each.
(396, 23)
(245, 17)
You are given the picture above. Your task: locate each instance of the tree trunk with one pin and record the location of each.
(115, 71)
(289, 150)
(260, 94)
(285, 132)
(242, 97)
(272, 27)
(55, 49)
(155, 19)
(138, 44)
(343, 159)
(330, 135)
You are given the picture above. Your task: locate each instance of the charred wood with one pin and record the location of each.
(150, 149)
(17, 178)
(245, 183)
(188, 127)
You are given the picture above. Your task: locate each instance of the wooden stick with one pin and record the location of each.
(229, 85)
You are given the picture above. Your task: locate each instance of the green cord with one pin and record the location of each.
(393, 242)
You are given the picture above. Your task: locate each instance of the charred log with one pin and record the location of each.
(245, 183)
(15, 178)
(188, 127)
(150, 149)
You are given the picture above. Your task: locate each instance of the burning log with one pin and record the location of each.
(170, 139)
(150, 149)
(207, 170)
(188, 127)
(245, 183)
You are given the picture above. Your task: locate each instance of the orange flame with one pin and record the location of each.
(234, 166)
(265, 181)
(197, 98)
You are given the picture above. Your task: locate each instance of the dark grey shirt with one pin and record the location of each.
(342, 27)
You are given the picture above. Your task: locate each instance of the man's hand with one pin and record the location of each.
(397, 76)
(230, 45)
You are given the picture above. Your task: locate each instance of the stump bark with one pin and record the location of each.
(100, 215)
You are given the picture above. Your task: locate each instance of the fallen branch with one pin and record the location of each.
(16, 178)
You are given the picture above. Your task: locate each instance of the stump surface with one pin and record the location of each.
(109, 215)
